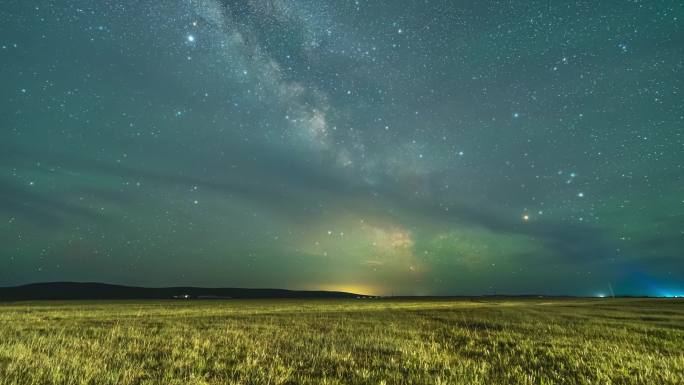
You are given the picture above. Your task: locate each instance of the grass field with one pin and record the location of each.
(620, 341)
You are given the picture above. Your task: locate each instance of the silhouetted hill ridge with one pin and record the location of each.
(98, 291)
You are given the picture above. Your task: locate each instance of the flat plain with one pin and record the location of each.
(363, 341)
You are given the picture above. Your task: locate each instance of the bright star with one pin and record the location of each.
(191, 38)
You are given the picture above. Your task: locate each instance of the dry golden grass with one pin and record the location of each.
(488, 342)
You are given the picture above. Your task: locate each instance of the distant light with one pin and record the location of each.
(516, 115)
(601, 295)
(581, 195)
(526, 217)
(191, 38)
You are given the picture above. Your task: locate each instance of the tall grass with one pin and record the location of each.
(343, 342)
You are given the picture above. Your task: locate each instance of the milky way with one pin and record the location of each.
(406, 147)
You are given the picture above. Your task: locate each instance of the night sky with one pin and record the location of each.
(382, 147)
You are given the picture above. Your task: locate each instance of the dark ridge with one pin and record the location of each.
(102, 291)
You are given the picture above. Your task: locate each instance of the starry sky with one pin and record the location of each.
(384, 147)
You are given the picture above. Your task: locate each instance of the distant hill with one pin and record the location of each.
(96, 291)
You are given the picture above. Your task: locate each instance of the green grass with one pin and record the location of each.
(618, 341)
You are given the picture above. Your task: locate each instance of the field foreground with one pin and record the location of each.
(620, 341)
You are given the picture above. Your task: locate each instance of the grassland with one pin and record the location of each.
(489, 342)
